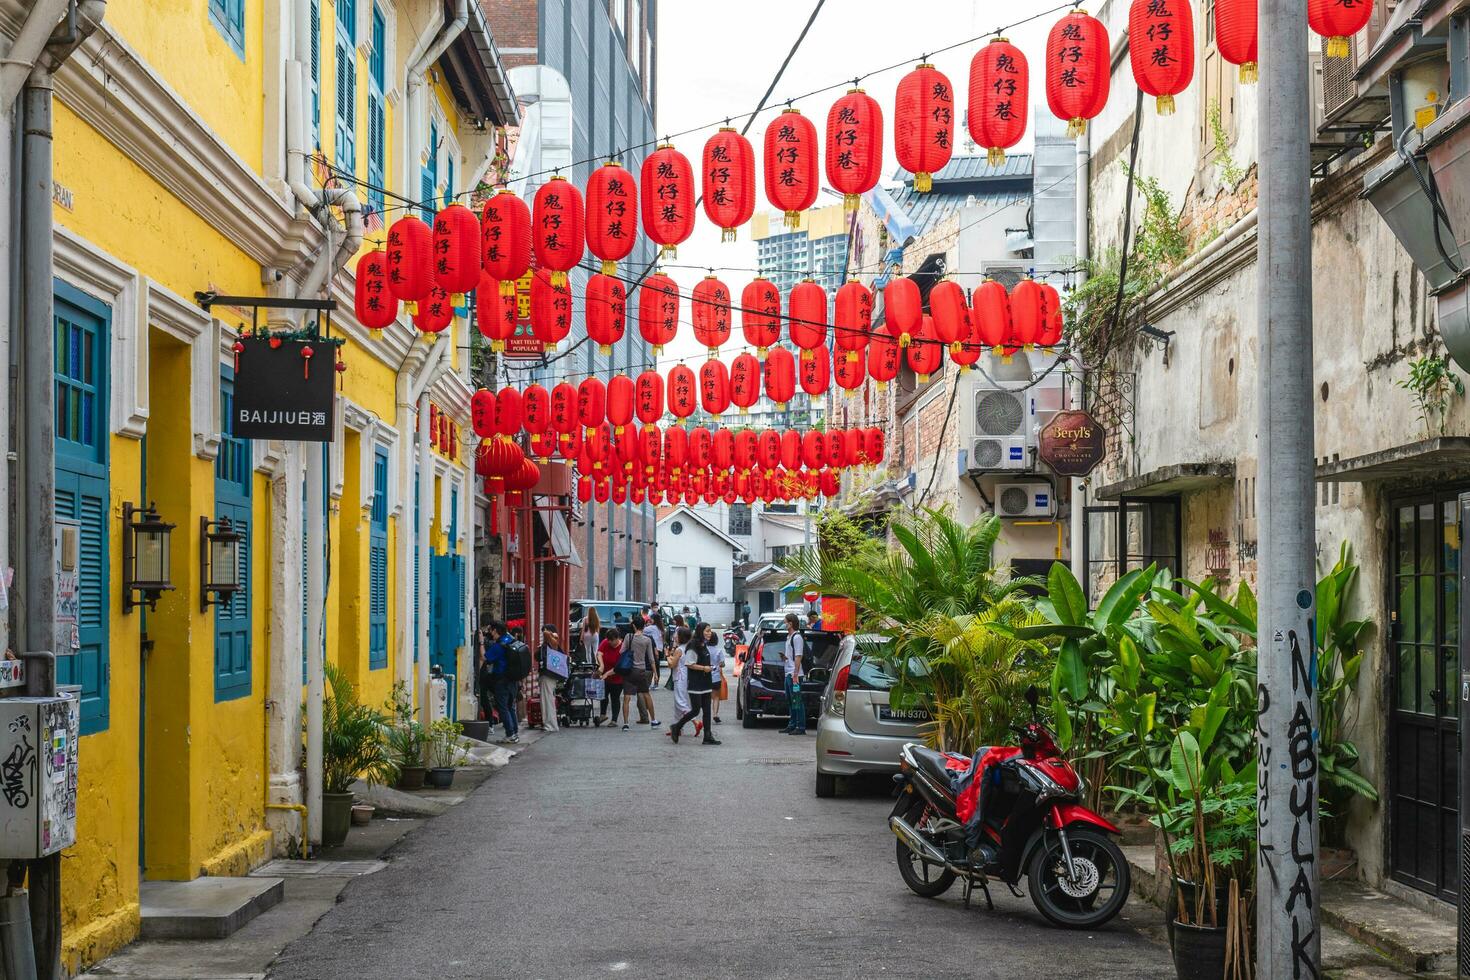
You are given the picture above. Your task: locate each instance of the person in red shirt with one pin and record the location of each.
(608, 652)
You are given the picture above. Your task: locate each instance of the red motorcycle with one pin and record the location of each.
(1010, 812)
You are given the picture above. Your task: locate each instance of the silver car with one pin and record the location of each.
(859, 732)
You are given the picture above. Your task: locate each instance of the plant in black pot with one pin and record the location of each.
(444, 752)
(407, 740)
(353, 747)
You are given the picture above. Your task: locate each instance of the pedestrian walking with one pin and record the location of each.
(745, 614)
(609, 651)
(591, 636)
(500, 657)
(791, 661)
(678, 673)
(484, 677)
(641, 658)
(553, 672)
(696, 661)
(717, 670)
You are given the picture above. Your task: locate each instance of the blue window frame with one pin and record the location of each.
(429, 176)
(83, 326)
(377, 115)
(449, 181)
(316, 73)
(232, 477)
(229, 17)
(454, 519)
(378, 566)
(345, 151)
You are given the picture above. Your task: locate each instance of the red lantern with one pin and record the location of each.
(1077, 65)
(535, 409)
(768, 449)
(714, 387)
(873, 446)
(619, 404)
(569, 444)
(852, 320)
(668, 198)
(591, 403)
(951, 313)
(456, 251)
(556, 228)
(584, 489)
(1025, 314)
(710, 303)
(999, 84)
(780, 376)
(612, 215)
(728, 181)
(902, 308)
(923, 124)
(926, 354)
(1338, 20)
(650, 395)
(991, 313)
(722, 449)
(505, 239)
(658, 310)
(482, 413)
(651, 447)
(543, 444)
(551, 308)
(852, 447)
(373, 302)
(814, 371)
(564, 410)
(607, 307)
(683, 389)
(410, 260)
(495, 313)
(601, 491)
(813, 449)
(791, 165)
(435, 312)
(699, 448)
(850, 374)
(676, 446)
(854, 146)
(883, 355)
(967, 350)
(745, 381)
(807, 312)
(1161, 49)
(1051, 316)
(745, 449)
(791, 449)
(1236, 35)
(760, 314)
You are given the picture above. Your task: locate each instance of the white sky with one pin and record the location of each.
(716, 59)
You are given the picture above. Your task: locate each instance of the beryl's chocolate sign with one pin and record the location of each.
(283, 390)
(1072, 443)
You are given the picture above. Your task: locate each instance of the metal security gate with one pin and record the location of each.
(1424, 636)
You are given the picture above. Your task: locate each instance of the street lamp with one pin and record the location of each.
(145, 556)
(219, 561)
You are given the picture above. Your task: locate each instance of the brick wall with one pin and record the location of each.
(514, 24)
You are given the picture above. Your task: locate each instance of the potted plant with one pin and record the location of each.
(407, 740)
(353, 748)
(443, 752)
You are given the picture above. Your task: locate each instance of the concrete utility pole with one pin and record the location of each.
(1288, 920)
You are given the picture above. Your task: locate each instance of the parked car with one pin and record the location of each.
(760, 691)
(611, 614)
(859, 732)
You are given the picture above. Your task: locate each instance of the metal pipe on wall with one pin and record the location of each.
(1083, 246)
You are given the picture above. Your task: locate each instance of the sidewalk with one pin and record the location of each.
(1366, 934)
(311, 889)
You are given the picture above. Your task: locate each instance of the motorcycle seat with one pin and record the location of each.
(936, 766)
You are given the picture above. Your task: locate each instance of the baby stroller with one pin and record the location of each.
(579, 696)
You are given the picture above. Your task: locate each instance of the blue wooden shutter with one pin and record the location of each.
(232, 628)
(316, 73)
(377, 116)
(429, 178)
(346, 129)
(229, 17)
(83, 326)
(378, 566)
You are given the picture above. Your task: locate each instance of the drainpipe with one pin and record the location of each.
(425, 553)
(1083, 249)
(418, 109)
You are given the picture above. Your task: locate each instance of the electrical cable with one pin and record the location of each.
(1127, 228)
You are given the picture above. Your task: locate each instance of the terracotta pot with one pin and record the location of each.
(362, 814)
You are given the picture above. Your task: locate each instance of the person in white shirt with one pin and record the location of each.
(717, 668)
(791, 660)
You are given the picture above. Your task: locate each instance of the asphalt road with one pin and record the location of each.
(602, 853)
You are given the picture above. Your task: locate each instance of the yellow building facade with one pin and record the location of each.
(205, 146)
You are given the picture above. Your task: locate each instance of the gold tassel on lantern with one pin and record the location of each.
(669, 252)
(604, 349)
(956, 349)
(497, 345)
(1165, 105)
(808, 355)
(609, 267)
(411, 307)
(793, 219)
(995, 156)
(923, 379)
(853, 356)
(507, 287)
(904, 339)
(558, 279)
(881, 385)
(850, 203)
(456, 299)
(923, 182)
(1337, 47)
(727, 235)
(1249, 73)
(1076, 126)
(375, 334)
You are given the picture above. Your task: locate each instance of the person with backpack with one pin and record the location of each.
(504, 663)
(639, 664)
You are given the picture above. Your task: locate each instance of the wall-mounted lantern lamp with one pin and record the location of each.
(145, 565)
(219, 561)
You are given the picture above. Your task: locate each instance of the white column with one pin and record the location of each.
(316, 468)
(283, 705)
(421, 542)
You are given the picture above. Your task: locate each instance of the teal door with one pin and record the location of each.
(232, 471)
(446, 606)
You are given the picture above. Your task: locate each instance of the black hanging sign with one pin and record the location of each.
(283, 389)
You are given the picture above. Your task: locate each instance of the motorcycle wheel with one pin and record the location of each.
(1104, 890)
(924, 879)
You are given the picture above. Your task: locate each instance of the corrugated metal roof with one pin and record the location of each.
(961, 179)
(976, 168)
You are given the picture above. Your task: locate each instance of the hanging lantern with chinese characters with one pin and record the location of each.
(710, 305)
(505, 239)
(850, 370)
(883, 355)
(676, 447)
(1051, 316)
(699, 447)
(535, 409)
(410, 260)
(1026, 312)
(854, 146)
(1236, 36)
(991, 313)
(791, 449)
(508, 411)
(791, 165)
(607, 307)
(373, 302)
(683, 389)
(768, 450)
(807, 317)
(714, 387)
(557, 236)
(745, 381)
(923, 124)
(1161, 49)
(456, 251)
(999, 90)
(902, 308)
(667, 188)
(760, 314)
(612, 215)
(591, 403)
(495, 313)
(435, 312)
(728, 181)
(658, 311)
(1077, 61)
(925, 355)
(951, 312)
(967, 350)
(814, 371)
(852, 321)
(648, 396)
(564, 408)
(551, 308)
(482, 413)
(780, 376)
(1338, 20)
(619, 403)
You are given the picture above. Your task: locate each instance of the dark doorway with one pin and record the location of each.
(1424, 635)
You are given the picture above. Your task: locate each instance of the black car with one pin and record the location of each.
(613, 614)
(761, 691)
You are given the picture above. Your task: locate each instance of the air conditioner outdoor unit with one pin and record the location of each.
(1024, 500)
(1000, 429)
